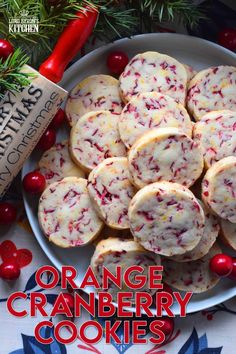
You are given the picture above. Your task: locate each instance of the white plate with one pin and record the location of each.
(190, 50)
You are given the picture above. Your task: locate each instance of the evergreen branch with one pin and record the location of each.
(115, 22)
(167, 10)
(11, 77)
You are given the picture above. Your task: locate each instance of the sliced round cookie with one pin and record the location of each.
(152, 71)
(56, 163)
(111, 190)
(95, 93)
(216, 133)
(210, 233)
(212, 89)
(194, 276)
(149, 111)
(166, 218)
(66, 214)
(165, 154)
(219, 188)
(228, 233)
(94, 138)
(126, 253)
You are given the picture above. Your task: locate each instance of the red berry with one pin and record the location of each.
(58, 119)
(47, 140)
(221, 264)
(9, 270)
(227, 38)
(34, 182)
(5, 49)
(168, 325)
(233, 272)
(7, 213)
(117, 61)
(69, 300)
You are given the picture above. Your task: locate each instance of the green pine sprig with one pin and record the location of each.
(115, 20)
(11, 77)
(167, 10)
(128, 17)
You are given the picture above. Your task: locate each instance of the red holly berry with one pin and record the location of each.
(5, 49)
(117, 61)
(69, 300)
(7, 213)
(227, 38)
(221, 264)
(47, 140)
(9, 270)
(34, 182)
(58, 119)
(168, 325)
(233, 272)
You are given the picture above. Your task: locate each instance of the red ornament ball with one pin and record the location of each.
(5, 49)
(47, 140)
(233, 272)
(69, 300)
(9, 270)
(58, 119)
(117, 61)
(227, 38)
(168, 325)
(7, 213)
(34, 182)
(221, 264)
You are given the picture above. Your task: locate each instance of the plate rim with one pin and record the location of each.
(230, 293)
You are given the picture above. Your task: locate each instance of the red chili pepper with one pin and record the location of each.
(69, 43)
